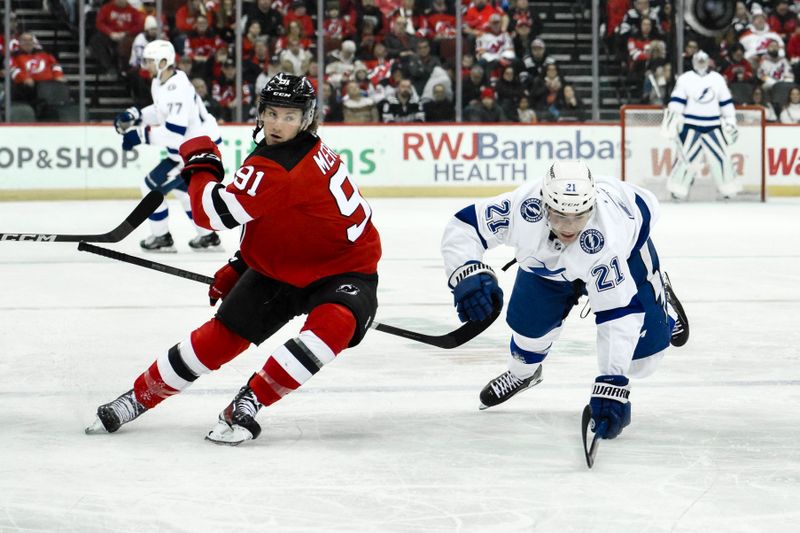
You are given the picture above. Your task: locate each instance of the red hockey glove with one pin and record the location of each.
(226, 277)
(201, 155)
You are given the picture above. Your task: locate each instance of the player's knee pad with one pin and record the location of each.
(213, 344)
(641, 368)
(332, 324)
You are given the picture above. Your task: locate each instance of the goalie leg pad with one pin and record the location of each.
(720, 162)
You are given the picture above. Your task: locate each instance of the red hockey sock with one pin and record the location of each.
(209, 347)
(150, 388)
(327, 332)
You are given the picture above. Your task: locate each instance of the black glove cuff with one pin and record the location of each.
(237, 263)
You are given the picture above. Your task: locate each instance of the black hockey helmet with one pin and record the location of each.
(286, 90)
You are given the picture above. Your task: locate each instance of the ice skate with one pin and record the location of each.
(111, 416)
(680, 332)
(237, 422)
(505, 386)
(161, 244)
(206, 243)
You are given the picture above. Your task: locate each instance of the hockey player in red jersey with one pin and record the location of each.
(308, 246)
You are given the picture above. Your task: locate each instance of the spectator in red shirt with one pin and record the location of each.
(300, 14)
(737, 68)
(782, 21)
(336, 25)
(223, 90)
(477, 17)
(202, 42)
(117, 24)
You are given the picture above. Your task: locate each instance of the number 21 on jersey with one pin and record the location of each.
(349, 204)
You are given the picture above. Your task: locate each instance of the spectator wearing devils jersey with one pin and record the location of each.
(308, 247)
(223, 90)
(31, 65)
(117, 24)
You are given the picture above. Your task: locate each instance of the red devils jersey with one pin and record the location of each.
(304, 218)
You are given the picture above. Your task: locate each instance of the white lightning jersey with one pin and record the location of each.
(177, 115)
(702, 99)
(619, 227)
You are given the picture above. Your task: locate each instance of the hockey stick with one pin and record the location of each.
(139, 214)
(455, 338)
(146, 263)
(586, 425)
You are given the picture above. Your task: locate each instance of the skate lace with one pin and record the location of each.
(127, 408)
(246, 404)
(505, 384)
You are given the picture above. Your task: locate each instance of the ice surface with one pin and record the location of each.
(389, 437)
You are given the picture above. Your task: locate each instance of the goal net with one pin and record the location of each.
(648, 155)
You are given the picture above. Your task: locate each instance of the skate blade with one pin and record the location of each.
(223, 434)
(167, 250)
(96, 428)
(210, 249)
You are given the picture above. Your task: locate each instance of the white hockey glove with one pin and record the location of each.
(672, 124)
(127, 119)
(730, 131)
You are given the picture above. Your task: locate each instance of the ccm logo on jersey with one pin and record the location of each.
(352, 290)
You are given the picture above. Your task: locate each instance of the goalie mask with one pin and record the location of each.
(157, 51)
(568, 193)
(286, 90)
(700, 62)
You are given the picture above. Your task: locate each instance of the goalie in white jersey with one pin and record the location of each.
(176, 115)
(701, 118)
(572, 235)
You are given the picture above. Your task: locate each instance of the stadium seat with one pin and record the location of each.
(741, 92)
(780, 92)
(22, 113)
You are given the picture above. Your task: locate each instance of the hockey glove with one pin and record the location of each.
(611, 410)
(134, 137)
(201, 154)
(127, 119)
(672, 124)
(226, 277)
(475, 291)
(731, 132)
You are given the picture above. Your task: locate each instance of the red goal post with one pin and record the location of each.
(647, 155)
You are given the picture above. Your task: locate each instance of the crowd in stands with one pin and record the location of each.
(759, 55)
(394, 60)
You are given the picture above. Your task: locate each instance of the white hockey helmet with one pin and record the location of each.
(568, 187)
(700, 62)
(159, 50)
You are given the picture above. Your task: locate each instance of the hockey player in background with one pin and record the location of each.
(701, 119)
(176, 115)
(308, 247)
(573, 234)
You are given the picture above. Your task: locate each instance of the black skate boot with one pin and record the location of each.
(160, 243)
(111, 416)
(505, 386)
(206, 243)
(237, 422)
(680, 332)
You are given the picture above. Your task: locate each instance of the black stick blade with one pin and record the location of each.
(589, 450)
(140, 213)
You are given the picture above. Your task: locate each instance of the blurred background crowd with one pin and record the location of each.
(522, 61)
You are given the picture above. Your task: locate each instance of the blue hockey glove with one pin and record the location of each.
(611, 410)
(133, 137)
(127, 119)
(475, 291)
